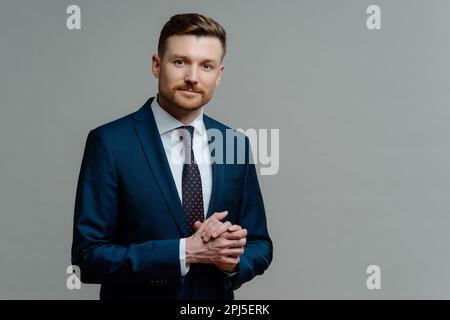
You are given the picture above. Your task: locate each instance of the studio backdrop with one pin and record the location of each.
(354, 99)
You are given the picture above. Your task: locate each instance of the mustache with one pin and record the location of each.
(189, 88)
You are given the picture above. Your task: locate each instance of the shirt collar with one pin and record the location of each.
(166, 122)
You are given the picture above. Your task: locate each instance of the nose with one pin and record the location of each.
(191, 75)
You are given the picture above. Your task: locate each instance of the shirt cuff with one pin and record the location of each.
(183, 266)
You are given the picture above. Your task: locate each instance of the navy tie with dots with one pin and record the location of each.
(191, 183)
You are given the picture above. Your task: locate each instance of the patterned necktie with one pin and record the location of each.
(191, 182)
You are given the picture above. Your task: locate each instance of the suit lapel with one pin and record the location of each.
(217, 171)
(151, 143)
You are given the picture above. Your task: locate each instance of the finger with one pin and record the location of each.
(217, 216)
(230, 260)
(235, 252)
(236, 235)
(220, 215)
(234, 227)
(200, 232)
(219, 229)
(223, 243)
(210, 229)
(211, 219)
(238, 243)
(204, 227)
(197, 225)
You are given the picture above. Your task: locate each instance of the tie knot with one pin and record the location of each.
(190, 130)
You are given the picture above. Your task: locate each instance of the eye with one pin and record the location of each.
(179, 62)
(207, 66)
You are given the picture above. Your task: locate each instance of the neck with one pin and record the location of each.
(184, 116)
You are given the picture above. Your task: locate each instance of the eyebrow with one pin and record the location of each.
(187, 58)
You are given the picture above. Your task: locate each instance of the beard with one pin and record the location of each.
(184, 100)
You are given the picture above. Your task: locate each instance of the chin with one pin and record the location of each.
(189, 104)
(191, 107)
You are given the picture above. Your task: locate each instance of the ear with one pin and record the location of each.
(156, 65)
(220, 74)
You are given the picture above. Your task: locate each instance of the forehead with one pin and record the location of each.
(194, 47)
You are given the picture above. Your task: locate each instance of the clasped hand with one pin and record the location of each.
(216, 242)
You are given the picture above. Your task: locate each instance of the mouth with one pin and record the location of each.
(188, 90)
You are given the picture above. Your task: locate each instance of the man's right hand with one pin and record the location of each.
(223, 251)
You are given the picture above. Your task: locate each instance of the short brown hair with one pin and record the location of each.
(191, 23)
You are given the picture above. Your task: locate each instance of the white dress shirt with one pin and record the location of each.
(170, 136)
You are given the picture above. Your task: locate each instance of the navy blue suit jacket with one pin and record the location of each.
(129, 219)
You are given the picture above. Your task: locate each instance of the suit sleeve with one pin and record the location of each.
(258, 250)
(95, 221)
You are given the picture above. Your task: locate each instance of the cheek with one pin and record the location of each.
(210, 82)
(172, 76)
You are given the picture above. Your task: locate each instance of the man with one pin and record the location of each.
(147, 226)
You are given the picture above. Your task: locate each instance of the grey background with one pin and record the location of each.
(364, 134)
